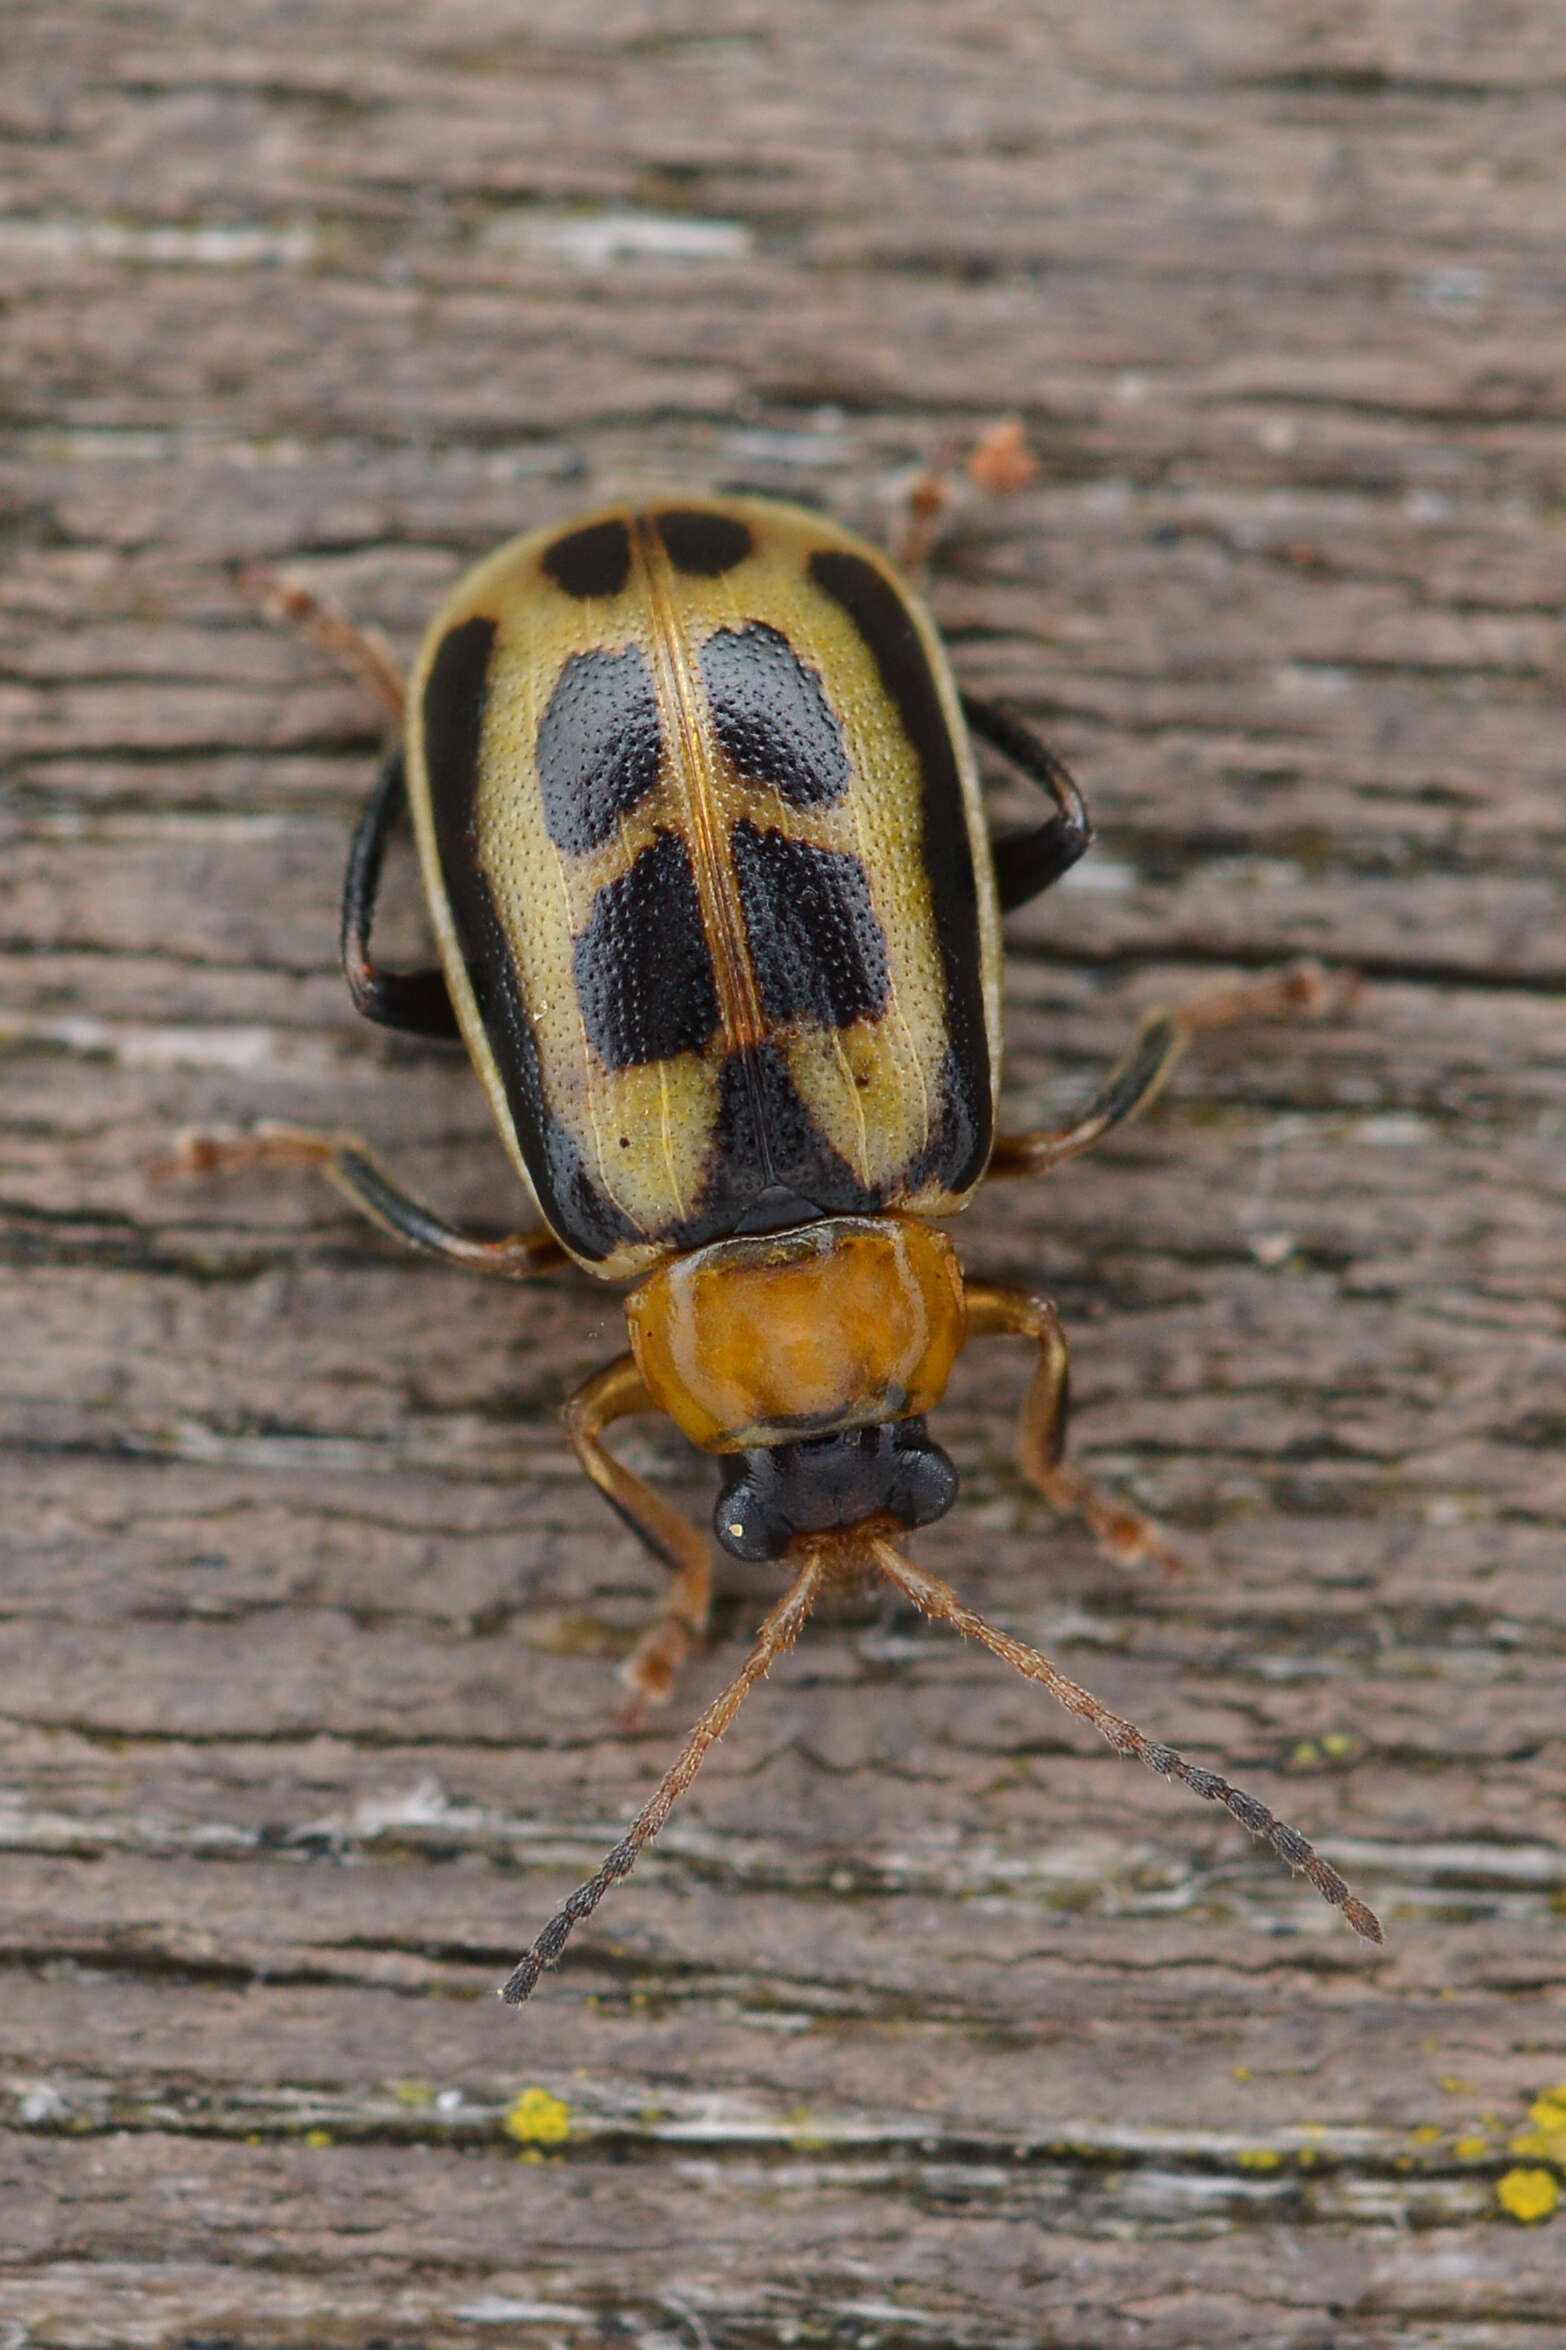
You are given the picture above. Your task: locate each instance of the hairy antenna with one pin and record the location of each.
(844, 1558)
(934, 1598)
(780, 1631)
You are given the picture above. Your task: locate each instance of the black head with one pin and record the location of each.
(769, 1495)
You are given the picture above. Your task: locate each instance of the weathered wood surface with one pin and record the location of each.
(931, 2023)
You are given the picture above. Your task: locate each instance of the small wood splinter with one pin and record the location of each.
(847, 1560)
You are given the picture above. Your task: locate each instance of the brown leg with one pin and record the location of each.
(999, 463)
(362, 652)
(1123, 1534)
(612, 1394)
(1301, 990)
(352, 1167)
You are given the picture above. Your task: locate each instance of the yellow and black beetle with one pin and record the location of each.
(719, 920)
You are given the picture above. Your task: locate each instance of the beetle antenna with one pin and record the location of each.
(937, 1599)
(779, 1632)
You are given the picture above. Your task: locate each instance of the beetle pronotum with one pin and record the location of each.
(719, 921)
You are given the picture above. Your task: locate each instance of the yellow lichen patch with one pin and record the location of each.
(537, 2119)
(1529, 2195)
(413, 2094)
(1546, 2141)
(1259, 2158)
(1455, 2087)
(805, 2134)
(1425, 2133)
(1549, 2108)
(318, 2137)
(1470, 2149)
(1242, 2072)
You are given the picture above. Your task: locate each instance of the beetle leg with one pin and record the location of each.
(1026, 863)
(612, 1394)
(363, 652)
(348, 1163)
(415, 1001)
(1123, 1534)
(1300, 989)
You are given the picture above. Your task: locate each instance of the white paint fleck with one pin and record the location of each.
(1100, 876)
(495, 2309)
(1537, 1865)
(1397, 1130)
(1253, 872)
(1310, 680)
(594, 240)
(424, 1805)
(206, 245)
(239, 1049)
(1453, 288)
(825, 446)
(43, 2104)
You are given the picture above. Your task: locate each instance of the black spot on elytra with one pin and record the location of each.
(591, 562)
(765, 1144)
(884, 621)
(452, 719)
(597, 749)
(763, 1129)
(816, 947)
(705, 545)
(643, 974)
(772, 715)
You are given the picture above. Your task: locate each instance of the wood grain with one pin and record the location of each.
(927, 2023)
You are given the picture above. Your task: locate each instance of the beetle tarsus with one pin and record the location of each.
(363, 653)
(653, 1666)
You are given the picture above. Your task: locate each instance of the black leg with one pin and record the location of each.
(415, 1001)
(358, 1174)
(1301, 990)
(1027, 862)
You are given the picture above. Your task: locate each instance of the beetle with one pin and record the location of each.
(718, 911)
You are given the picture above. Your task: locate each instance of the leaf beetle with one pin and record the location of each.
(718, 911)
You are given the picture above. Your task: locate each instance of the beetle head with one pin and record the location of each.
(772, 1494)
